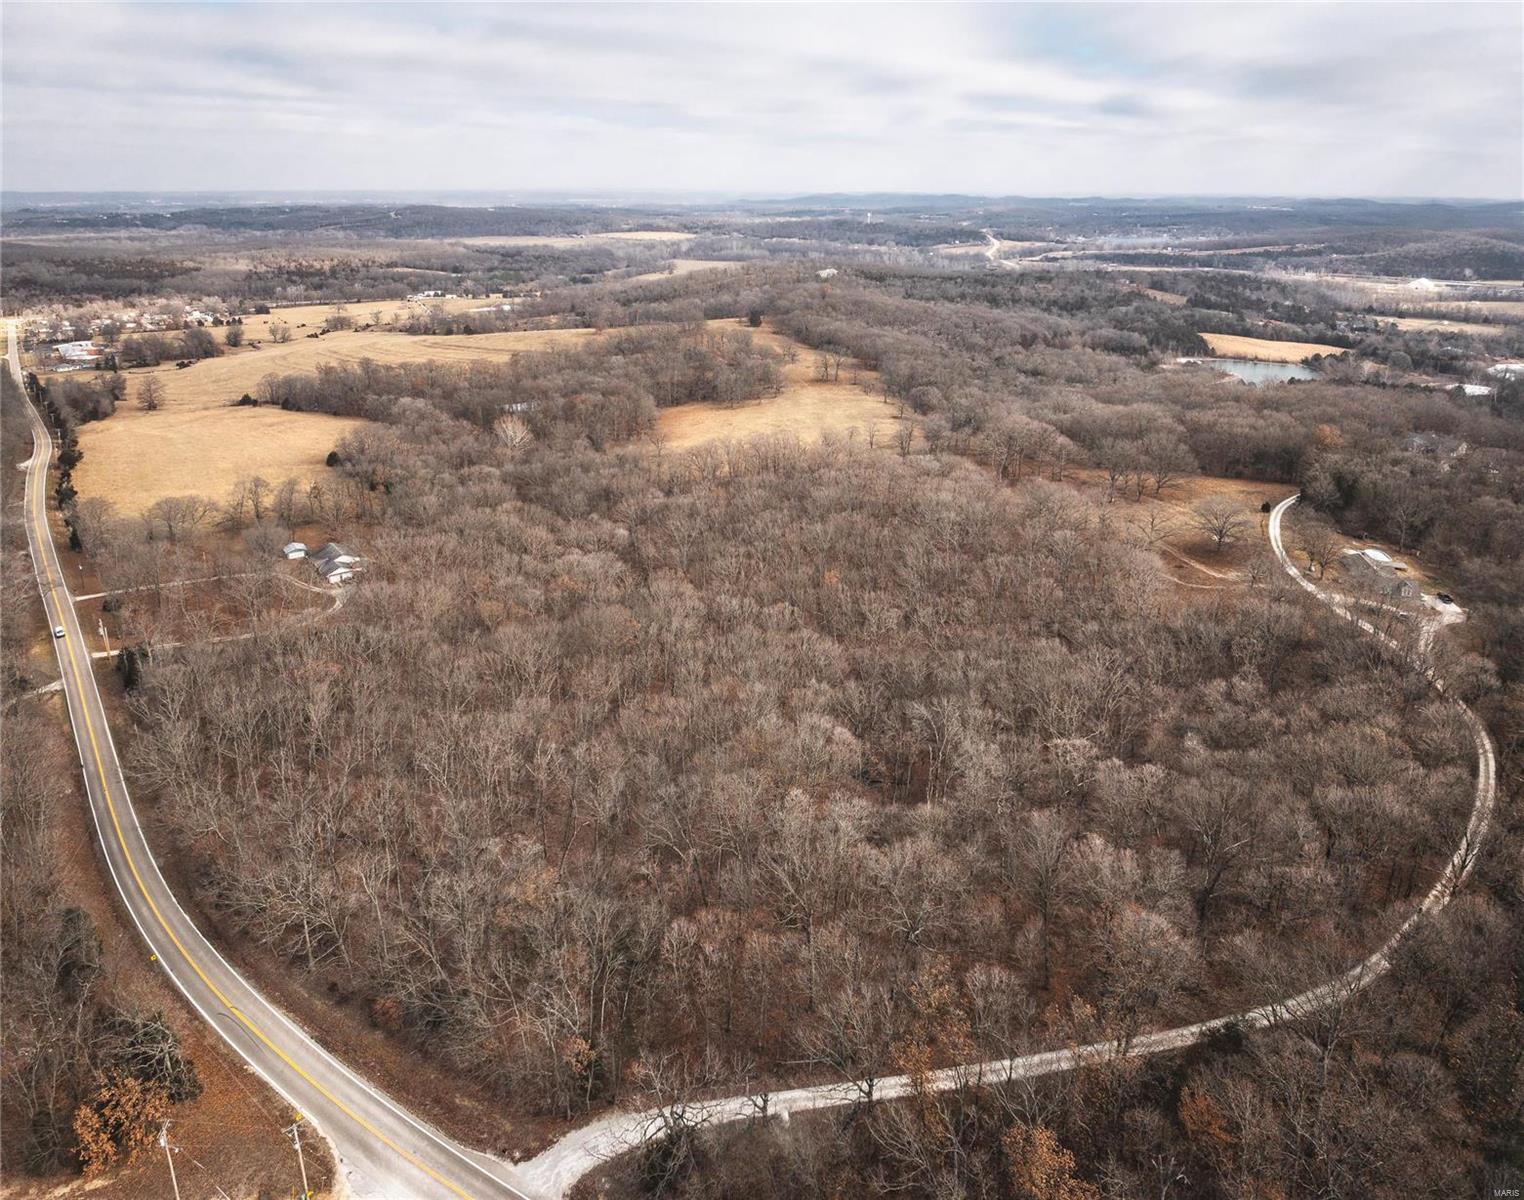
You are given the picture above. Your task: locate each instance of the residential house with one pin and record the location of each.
(336, 572)
(1375, 572)
(335, 563)
(1439, 444)
(333, 552)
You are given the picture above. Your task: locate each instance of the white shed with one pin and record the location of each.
(294, 550)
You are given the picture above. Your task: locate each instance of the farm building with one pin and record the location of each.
(294, 550)
(335, 563)
(1439, 444)
(332, 552)
(336, 572)
(78, 352)
(1374, 571)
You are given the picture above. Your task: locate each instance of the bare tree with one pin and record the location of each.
(151, 393)
(1320, 542)
(1222, 520)
(178, 516)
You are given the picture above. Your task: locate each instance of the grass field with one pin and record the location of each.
(1231, 345)
(217, 381)
(684, 266)
(1436, 325)
(198, 444)
(562, 243)
(806, 407)
(304, 318)
(134, 458)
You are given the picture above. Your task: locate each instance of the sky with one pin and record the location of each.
(1038, 100)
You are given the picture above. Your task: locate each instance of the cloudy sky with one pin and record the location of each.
(1306, 99)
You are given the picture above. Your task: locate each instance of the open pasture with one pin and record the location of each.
(1232, 345)
(134, 458)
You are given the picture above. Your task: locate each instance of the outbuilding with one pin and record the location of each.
(294, 550)
(1373, 571)
(337, 572)
(332, 552)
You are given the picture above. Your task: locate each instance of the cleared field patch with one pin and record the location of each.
(1232, 345)
(561, 242)
(1168, 525)
(134, 458)
(305, 318)
(1439, 325)
(685, 266)
(218, 381)
(198, 444)
(1174, 298)
(807, 407)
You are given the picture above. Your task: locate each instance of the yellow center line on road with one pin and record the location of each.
(44, 544)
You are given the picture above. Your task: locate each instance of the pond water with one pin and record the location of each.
(1253, 371)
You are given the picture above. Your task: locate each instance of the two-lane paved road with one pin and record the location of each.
(384, 1151)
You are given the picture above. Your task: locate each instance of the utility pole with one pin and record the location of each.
(105, 637)
(296, 1140)
(169, 1157)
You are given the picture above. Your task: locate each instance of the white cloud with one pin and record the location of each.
(1351, 98)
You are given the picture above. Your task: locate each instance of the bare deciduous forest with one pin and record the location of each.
(625, 774)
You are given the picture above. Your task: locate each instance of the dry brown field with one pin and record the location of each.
(806, 408)
(304, 318)
(134, 458)
(685, 266)
(1174, 298)
(1231, 345)
(563, 242)
(199, 444)
(216, 381)
(1438, 325)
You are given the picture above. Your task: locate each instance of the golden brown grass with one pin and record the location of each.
(305, 318)
(197, 444)
(217, 381)
(563, 242)
(685, 266)
(1231, 345)
(806, 408)
(134, 458)
(1436, 325)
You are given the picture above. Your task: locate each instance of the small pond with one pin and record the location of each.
(1251, 370)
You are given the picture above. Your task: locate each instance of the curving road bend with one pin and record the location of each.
(383, 1150)
(554, 1171)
